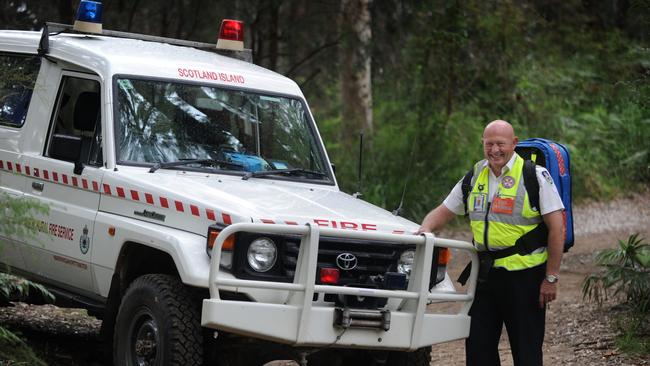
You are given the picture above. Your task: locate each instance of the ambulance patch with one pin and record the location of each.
(508, 182)
(547, 176)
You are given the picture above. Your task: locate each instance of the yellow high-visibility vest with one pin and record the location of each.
(498, 225)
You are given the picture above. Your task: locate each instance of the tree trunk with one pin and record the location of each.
(356, 92)
(274, 14)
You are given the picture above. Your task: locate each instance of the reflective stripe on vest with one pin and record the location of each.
(509, 216)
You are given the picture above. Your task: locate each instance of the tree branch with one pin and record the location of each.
(312, 54)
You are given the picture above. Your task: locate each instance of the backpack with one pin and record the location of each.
(555, 158)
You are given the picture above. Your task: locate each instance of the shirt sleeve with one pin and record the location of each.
(549, 198)
(454, 201)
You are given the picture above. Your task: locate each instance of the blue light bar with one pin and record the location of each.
(89, 17)
(90, 11)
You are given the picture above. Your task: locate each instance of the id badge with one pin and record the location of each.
(480, 200)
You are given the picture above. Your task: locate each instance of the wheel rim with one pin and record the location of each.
(144, 339)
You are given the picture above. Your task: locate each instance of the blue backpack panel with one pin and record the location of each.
(555, 158)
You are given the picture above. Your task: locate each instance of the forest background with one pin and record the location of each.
(421, 78)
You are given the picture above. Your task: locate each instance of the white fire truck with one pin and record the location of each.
(193, 208)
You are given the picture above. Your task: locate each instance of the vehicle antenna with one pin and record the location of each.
(358, 193)
(399, 208)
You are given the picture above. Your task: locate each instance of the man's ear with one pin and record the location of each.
(516, 140)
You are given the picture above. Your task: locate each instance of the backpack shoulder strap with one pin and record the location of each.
(466, 186)
(531, 183)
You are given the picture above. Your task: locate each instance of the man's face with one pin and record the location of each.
(498, 148)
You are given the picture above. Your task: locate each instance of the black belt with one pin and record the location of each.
(525, 245)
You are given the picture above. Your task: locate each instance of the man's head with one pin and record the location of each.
(499, 143)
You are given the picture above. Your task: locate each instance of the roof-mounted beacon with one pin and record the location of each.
(231, 35)
(89, 17)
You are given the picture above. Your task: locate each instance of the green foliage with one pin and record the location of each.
(16, 216)
(625, 276)
(564, 71)
(634, 339)
(16, 221)
(17, 287)
(12, 348)
(15, 352)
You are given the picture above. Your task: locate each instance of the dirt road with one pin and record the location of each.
(577, 333)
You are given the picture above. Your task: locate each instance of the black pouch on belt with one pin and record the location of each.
(485, 262)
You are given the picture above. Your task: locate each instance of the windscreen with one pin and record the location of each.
(160, 122)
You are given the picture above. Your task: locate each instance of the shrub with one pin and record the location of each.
(625, 276)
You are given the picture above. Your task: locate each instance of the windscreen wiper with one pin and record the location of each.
(293, 171)
(196, 161)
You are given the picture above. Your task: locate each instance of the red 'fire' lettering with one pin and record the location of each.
(368, 227)
(349, 225)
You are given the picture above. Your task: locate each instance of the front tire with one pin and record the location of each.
(158, 324)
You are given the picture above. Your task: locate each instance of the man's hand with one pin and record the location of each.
(547, 293)
(435, 220)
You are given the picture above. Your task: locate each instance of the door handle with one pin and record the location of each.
(38, 186)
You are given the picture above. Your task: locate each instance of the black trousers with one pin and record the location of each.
(510, 298)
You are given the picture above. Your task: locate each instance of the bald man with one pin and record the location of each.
(513, 289)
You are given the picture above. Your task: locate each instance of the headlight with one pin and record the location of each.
(405, 262)
(262, 254)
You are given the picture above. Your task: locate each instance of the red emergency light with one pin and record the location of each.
(329, 276)
(231, 35)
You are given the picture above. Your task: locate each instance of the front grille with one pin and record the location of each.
(372, 258)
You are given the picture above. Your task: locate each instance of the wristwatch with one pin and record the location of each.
(551, 278)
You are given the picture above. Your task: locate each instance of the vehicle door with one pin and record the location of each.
(66, 177)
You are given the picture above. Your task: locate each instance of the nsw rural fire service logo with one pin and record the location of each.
(84, 241)
(346, 261)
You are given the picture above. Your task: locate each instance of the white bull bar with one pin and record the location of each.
(300, 322)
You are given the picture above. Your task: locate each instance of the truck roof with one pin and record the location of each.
(108, 56)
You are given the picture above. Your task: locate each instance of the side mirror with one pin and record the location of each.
(333, 168)
(78, 168)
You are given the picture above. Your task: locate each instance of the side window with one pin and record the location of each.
(76, 134)
(17, 78)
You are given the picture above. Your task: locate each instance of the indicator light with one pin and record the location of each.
(228, 244)
(329, 275)
(89, 17)
(231, 35)
(444, 256)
